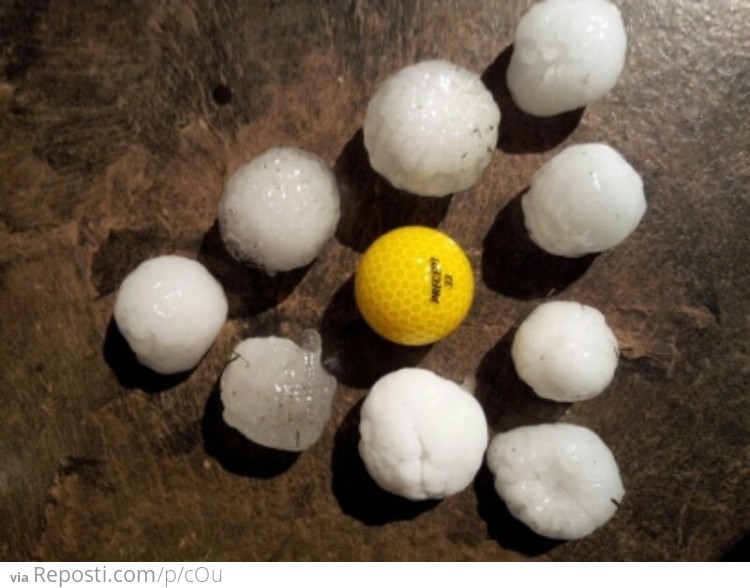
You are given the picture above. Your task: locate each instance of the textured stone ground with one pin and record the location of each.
(119, 123)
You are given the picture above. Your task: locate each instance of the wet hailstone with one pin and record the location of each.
(279, 210)
(170, 310)
(276, 393)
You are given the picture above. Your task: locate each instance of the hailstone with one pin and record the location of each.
(565, 351)
(431, 128)
(422, 436)
(566, 53)
(276, 393)
(169, 310)
(280, 209)
(586, 199)
(560, 480)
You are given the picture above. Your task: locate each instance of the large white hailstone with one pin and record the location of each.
(280, 209)
(565, 351)
(431, 128)
(276, 393)
(560, 480)
(170, 310)
(586, 199)
(422, 436)
(566, 54)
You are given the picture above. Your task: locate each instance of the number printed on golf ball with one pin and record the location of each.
(414, 285)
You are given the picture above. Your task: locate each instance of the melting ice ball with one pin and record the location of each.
(559, 479)
(280, 209)
(170, 309)
(565, 351)
(566, 53)
(584, 200)
(276, 393)
(431, 128)
(422, 436)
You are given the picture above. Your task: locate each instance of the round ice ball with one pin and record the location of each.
(280, 209)
(276, 393)
(584, 200)
(560, 480)
(170, 310)
(566, 54)
(422, 436)
(431, 128)
(565, 351)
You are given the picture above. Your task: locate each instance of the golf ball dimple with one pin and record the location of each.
(414, 285)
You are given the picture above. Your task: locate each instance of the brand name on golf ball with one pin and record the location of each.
(437, 280)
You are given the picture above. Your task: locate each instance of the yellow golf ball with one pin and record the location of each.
(414, 285)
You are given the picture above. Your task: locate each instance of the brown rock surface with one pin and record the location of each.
(119, 123)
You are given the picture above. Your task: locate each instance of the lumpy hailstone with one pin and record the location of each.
(170, 309)
(280, 209)
(565, 351)
(586, 199)
(566, 53)
(276, 393)
(431, 128)
(422, 436)
(560, 480)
